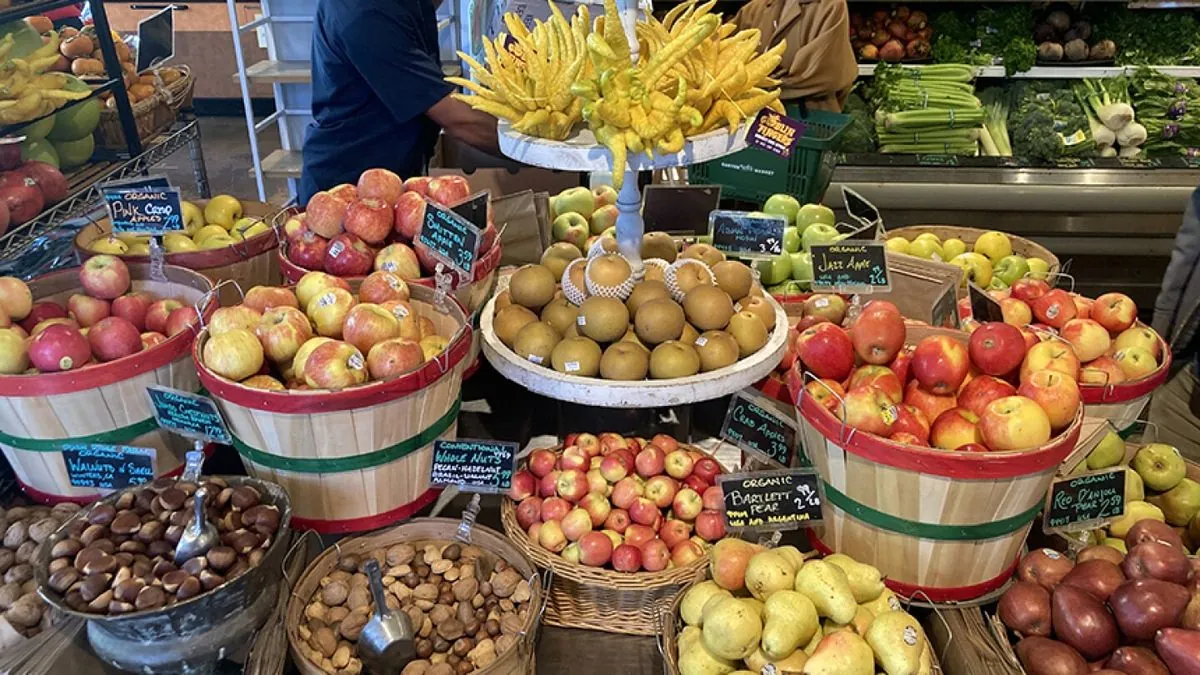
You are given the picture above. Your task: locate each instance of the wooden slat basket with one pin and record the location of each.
(101, 403)
(356, 459)
(1122, 404)
(1021, 246)
(948, 525)
(441, 531)
(250, 263)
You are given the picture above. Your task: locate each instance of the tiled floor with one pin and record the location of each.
(226, 148)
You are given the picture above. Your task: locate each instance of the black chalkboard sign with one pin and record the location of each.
(1086, 501)
(861, 210)
(451, 238)
(752, 425)
(772, 500)
(474, 209)
(746, 234)
(945, 309)
(984, 307)
(144, 210)
(850, 267)
(190, 415)
(474, 465)
(108, 467)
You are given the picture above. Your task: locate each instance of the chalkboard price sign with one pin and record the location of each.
(451, 238)
(1086, 501)
(107, 467)
(850, 267)
(984, 307)
(746, 234)
(474, 465)
(474, 209)
(144, 210)
(753, 426)
(190, 415)
(772, 500)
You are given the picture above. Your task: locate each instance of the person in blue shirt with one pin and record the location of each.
(378, 94)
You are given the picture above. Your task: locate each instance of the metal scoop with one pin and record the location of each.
(200, 535)
(385, 644)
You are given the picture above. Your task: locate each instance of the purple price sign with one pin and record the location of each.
(774, 133)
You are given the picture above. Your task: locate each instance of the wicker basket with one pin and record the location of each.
(152, 116)
(1021, 246)
(519, 661)
(601, 599)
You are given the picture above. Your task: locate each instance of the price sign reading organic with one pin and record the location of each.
(984, 307)
(850, 267)
(107, 467)
(190, 415)
(753, 426)
(772, 500)
(474, 465)
(144, 210)
(747, 235)
(1086, 501)
(451, 238)
(775, 133)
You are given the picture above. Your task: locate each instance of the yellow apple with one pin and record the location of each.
(176, 242)
(208, 231)
(953, 247)
(312, 283)
(226, 319)
(1014, 423)
(994, 245)
(433, 345)
(223, 210)
(235, 355)
(217, 241)
(1135, 362)
(193, 218)
(1038, 268)
(130, 239)
(927, 248)
(1138, 336)
(109, 244)
(256, 229)
(897, 245)
(139, 248)
(243, 225)
(282, 331)
(976, 268)
(328, 311)
(928, 236)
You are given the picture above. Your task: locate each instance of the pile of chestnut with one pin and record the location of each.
(1108, 611)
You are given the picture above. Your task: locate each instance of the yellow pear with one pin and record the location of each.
(757, 660)
(842, 653)
(826, 585)
(755, 606)
(769, 572)
(859, 624)
(793, 663)
(1134, 511)
(812, 644)
(897, 640)
(689, 636)
(699, 661)
(926, 664)
(790, 621)
(731, 629)
(1108, 452)
(886, 602)
(792, 555)
(865, 581)
(692, 605)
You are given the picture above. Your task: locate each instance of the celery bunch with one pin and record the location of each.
(927, 109)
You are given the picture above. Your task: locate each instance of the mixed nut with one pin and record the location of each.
(119, 556)
(25, 528)
(462, 623)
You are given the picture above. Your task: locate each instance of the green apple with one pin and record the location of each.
(928, 249)
(897, 245)
(775, 270)
(1038, 268)
(791, 239)
(994, 245)
(997, 284)
(570, 227)
(814, 214)
(610, 232)
(802, 267)
(1010, 268)
(953, 247)
(782, 205)
(976, 268)
(1160, 466)
(576, 200)
(817, 233)
(1108, 452)
(789, 287)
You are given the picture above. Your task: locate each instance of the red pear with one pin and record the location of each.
(1148, 529)
(1179, 648)
(1098, 577)
(1154, 560)
(1136, 661)
(1043, 656)
(1099, 552)
(1142, 606)
(1083, 622)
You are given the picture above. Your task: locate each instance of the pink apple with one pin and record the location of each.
(369, 219)
(1115, 311)
(707, 468)
(409, 215)
(548, 485)
(714, 498)
(380, 184)
(687, 504)
(626, 492)
(551, 536)
(57, 348)
(674, 531)
(308, 250)
(596, 483)
(157, 313)
(597, 506)
(104, 276)
(150, 339)
(574, 458)
(617, 520)
(39, 312)
(710, 525)
(1088, 338)
(655, 555)
(325, 213)
(348, 256)
(678, 464)
(626, 558)
(113, 338)
(576, 524)
(588, 443)
(609, 442)
(449, 190)
(399, 259)
(645, 512)
(182, 319)
(417, 184)
(534, 531)
(529, 511)
(541, 462)
(661, 490)
(612, 469)
(650, 461)
(555, 508)
(572, 485)
(696, 483)
(1056, 393)
(523, 485)
(686, 553)
(86, 310)
(595, 549)
(637, 534)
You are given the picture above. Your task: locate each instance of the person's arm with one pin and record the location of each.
(1184, 259)
(467, 124)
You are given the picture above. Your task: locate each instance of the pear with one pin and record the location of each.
(812, 644)
(1180, 503)
(688, 637)
(792, 664)
(826, 585)
(897, 640)
(1134, 511)
(862, 620)
(769, 572)
(1118, 544)
(731, 629)
(792, 555)
(865, 581)
(1160, 466)
(755, 606)
(886, 602)
(842, 653)
(757, 660)
(711, 602)
(1108, 452)
(790, 621)
(692, 605)
(925, 666)
(699, 661)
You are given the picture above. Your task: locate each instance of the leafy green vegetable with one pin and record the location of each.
(859, 135)
(1169, 108)
(981, 36)
(1148, 37)
(1046, 122)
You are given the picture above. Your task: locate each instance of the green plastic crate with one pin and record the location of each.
(754, 175)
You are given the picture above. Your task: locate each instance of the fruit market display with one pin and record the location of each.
(105, 322)
(25, 528)
(791, 271)
(588, 317)
(622, 503)
(27, 187)
(832, 615)
(989, 262)
(694, 74)
(351, 230)
(337, 340)
(991, 393)
(903, 34)
(218, 224)
(463, 621)
(1063, 37)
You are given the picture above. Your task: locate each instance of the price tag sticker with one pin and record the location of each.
(144, 210)
(775, 133)
(474, 465)
(984, 307)
(1086, 501)
(747, 234)
(108, 467)
(189, 415)
(451, 239)
(772, 500)
(753, 426)
(850, 267)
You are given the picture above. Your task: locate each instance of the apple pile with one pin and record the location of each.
(268, 342)
(350, 230)
(625, 503)
(221, 223)
(104, 323)
(1107, 344)
(581, 216)
(28, 189)
(1134, 612)
(995, 392)
(989, 262)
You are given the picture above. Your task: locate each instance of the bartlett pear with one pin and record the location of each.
(842, 653)
(886, 602)
(731, 629)
(859, 624)
(1135, 489)
(865, 581)
(769, 572)
(792, 555)
(897, 640)
(826, 585)
(1108, 452)
(692, 605)
(790, 622)
(697, 660)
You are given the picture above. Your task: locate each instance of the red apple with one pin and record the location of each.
(150, 339)
(308, 250)
(651, 461)
(674, 531)
(645, 512)
(878, 335)
(980, 391)
(132, 307)
(827, 393)
(1014, 423)
(710, 525)
(58, 348)
(449, 190)
(181, 319)
(157, 313)
(1083, 306)
(637, 534)
(971, 447)
(571, 485)
(38, 312)
(930, 404)
(827, 351)
(523, 485)
(696, 483)
(612, 468)
(655, 555)
(1054, 309)
(529, 511)
(542, 462)
(555, 508)
(344, 191)
(1115, 311)
(940, 364)
(113, 338)
(548, 485)
(906, 438)
(910, 420)
(104, 276)
(1103, 371)
(902, 364)
(1056, 393)
(714, 499)
(588, 443)
(661, 490)
(877, 377)
(707, 468)
(595, 549)
(667, 443)
(626, 558)
(409, 215)
(334, 365)
(1028, 290)
(348, 256)
(87, 310)
(869, 410)
(381, 286)
(380, 184)
(325, 213)
(263, 298)
(282, 330)
(369, 219)
(617, 520)
(955, 428)
(997, 348)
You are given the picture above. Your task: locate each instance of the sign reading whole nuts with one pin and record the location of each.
(119, 556)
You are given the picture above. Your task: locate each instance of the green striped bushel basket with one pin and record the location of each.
(949, 526)
(356, 459)
(101, 402)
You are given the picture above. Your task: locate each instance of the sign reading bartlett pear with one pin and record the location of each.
(772, 500)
